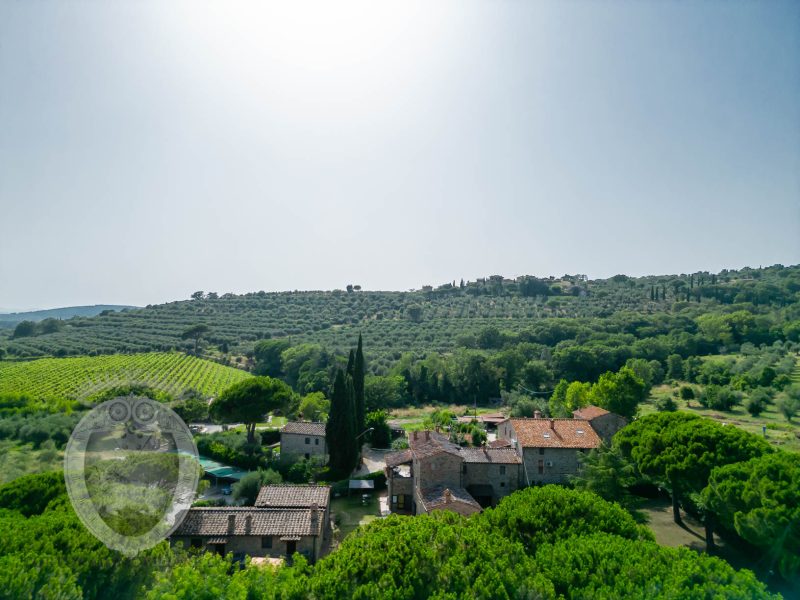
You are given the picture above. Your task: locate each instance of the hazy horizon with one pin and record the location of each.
(153, 149)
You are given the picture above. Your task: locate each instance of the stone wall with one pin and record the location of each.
(296, 444)
(607, 425)
(564, 462)
(503, 483)
(309, 546)
(441, 469)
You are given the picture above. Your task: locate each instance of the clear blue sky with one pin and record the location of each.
(150, 149)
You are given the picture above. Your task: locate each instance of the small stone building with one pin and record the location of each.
(605, 423)
(491, 473)
(436, 474)
(297, 496)
(303, 439)
(549, 447)
(259, 532)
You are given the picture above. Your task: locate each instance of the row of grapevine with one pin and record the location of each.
(74, 378)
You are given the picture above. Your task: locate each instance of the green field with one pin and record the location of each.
(779, 433)
(84, 377)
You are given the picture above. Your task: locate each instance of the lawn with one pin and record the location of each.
(348, 513)
(779, 433)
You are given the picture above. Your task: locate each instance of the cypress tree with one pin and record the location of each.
(350, 363)
(354, 445)
(358, 388)
(339, 429)
(652, 294)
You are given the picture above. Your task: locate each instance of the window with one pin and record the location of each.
(316, 441)
(503, 470)
(502, 484)
(308, 440)
(541, 467)
(464, 469)
(196, 543)
(307, 455)
(266, 541)
(541, 450)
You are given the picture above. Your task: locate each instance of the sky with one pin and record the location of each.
(149, 149)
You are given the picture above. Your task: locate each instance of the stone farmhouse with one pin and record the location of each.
(436, 474)
(303, 439)
(549, 447)
(605, 423)
(285, 520)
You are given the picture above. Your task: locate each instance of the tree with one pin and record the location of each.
(679, 450)
(197, 295)
(267, 354)
(381, 435)
(196, 333)
(540, 515)
(414, 312)
(24, 329)
(760, 501)
(619, 392)
(384, 391)
(789, 402)
(249, 400)
(314, 407)
(359, 369)
(340, 430)
(246, 489)
(607, 473)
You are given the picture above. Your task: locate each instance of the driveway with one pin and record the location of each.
(372, 460)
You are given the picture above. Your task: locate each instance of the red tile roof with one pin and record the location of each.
(455, 499)
(293, 496)
(507, 456)
(428, 443)
(217, 521)
(589, 412)
(555, 433)
(304, 428)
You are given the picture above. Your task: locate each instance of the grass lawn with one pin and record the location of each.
(780, 432)
(349, 513)
(275, 423)
(658, 516)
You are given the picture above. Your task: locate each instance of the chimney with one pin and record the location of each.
(448, 496)
(537, 414)
(248, 524)
(231, 524)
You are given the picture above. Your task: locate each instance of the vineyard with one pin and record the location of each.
(84, 377)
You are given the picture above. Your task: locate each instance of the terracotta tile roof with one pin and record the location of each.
(293, 496)
(428, 443)
(491, 455)
(500, 443)
(398, 458)
(216, 521)
(304, 428)
(456, 499)
(555, 433)
(589, 412)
